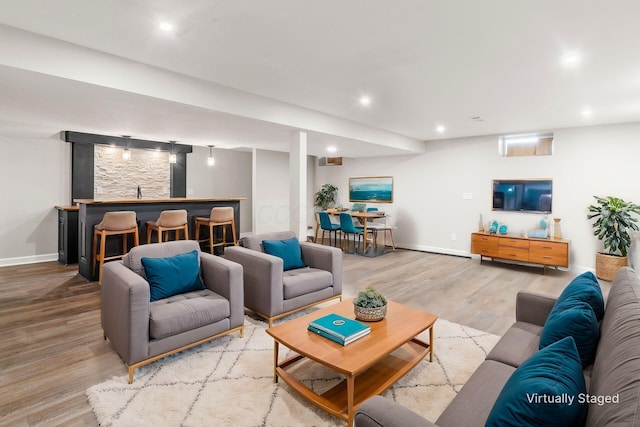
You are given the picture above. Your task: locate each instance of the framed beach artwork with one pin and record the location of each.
(377, 189)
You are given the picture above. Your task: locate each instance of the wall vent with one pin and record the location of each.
(330, 161)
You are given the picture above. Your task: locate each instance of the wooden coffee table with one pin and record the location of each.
(370, 365)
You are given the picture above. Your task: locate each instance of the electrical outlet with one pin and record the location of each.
(467, 196)
(453, 236)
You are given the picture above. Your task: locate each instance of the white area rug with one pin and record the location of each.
(229, 382)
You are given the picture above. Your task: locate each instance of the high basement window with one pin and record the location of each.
(526, 145)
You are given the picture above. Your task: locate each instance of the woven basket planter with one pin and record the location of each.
(608, 265)
(370, 314)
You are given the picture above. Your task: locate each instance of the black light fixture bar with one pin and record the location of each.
(119, 141)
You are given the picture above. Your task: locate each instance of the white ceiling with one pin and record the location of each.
(422, 62)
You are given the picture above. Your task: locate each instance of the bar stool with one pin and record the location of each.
(113, 223)
(220, 217)
(171, 220)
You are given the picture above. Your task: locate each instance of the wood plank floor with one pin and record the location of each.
(52, 350)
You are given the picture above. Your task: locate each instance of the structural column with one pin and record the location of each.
(298, 184)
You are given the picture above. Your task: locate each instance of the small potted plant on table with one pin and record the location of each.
(370, 305)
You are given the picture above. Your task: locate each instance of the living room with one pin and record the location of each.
(441, 181)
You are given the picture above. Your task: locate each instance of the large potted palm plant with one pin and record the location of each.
(614, 217)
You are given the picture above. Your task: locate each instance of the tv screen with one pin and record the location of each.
(522, 195)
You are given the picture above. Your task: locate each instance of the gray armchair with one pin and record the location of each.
(271, 292)
(143, 331)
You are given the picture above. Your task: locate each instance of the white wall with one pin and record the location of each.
(35, 177)
(428, 204)
(271, 200)
(229, 177)
(271, 191)
(312, 164)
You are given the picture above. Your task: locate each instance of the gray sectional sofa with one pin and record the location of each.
(612, 382)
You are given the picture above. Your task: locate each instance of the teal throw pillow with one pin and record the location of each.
(573, 319)
(172, 275)
(288, 250)
(585, 287)
(547, 390)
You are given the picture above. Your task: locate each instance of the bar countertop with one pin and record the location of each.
(174, 199)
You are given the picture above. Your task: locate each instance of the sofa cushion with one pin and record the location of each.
(172, 275)
(519, 343)
(584, 287)
(180, 313)
(575, 319)
(132, 260)
(303, 281)
(288, 250)
(254, 242)
(544, 390)
(474, 401)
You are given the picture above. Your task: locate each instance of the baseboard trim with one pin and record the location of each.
(33, 259)
(433, 249)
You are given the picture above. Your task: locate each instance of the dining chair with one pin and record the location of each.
(384, 227)
(347, 227)
(327, 225)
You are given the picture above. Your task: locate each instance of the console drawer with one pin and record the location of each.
(549, 253)
(514, 243)
(517, 254)
(484, 245)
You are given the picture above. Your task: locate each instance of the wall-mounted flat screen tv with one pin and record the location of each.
(522, 195)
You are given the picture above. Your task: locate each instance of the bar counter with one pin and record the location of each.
(91, 212)
(67, 234)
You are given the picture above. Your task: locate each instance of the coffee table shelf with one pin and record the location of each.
(370, 365)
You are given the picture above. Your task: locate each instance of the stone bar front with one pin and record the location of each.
(92, 211)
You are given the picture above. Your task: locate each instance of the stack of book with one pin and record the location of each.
(339, 329)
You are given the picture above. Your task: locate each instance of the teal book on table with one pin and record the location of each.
(338, 326)
(351, 339)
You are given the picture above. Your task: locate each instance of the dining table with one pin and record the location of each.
(363, 216)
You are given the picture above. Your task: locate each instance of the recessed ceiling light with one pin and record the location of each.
(165, 26)
(332, 149)
(586, 113)
(440, 129)
(365, 100)
(571, 60)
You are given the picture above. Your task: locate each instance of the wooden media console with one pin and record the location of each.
(546, 252)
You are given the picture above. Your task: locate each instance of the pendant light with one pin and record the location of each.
(126, 154)
(172, 156)
(211, 160)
